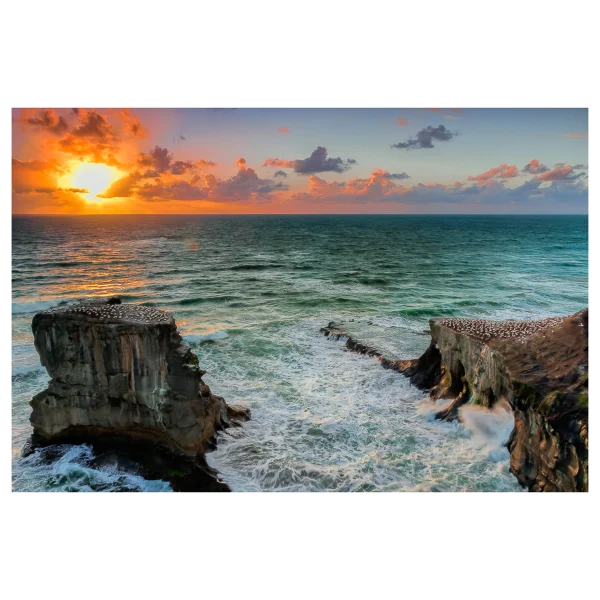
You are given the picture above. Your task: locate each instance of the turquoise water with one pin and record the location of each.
(250, 293)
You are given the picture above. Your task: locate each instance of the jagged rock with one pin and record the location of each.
(121, 373)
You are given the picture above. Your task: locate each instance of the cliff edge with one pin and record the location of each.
(539, 369)
(120, 373)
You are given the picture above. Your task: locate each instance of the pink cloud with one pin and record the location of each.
(559, 172)
(276, 162)
(503, 171)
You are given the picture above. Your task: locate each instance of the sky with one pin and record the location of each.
(300, 161)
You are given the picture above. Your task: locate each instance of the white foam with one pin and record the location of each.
(326, 419)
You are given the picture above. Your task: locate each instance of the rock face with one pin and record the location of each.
(120, 372)
(539, 367)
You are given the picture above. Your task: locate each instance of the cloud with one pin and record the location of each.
(402, 122)
(396, 175)
(123, 187)
(434, 109)
(158, 159)
(280, 173)
(560, 172)
(503, 171)
(181, 137)
(425, 138)
(205, 163)
(36, 175)
(458, 110)
(534, 167)
(577, 135)
(283, 130)
(180, 167)
(75, 190)
(317, 162)
(451, 117)
(93, 125)
(48, 120)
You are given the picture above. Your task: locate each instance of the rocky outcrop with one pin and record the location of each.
(540, 368)
(121, 375)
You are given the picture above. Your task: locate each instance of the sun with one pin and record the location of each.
(93, 177)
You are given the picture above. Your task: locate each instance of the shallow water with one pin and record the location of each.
(249, 295)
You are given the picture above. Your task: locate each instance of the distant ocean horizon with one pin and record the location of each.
(250, 293)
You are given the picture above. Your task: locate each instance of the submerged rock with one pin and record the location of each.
(122, 377)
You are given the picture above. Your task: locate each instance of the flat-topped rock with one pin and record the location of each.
(111, 313)
(120, 372)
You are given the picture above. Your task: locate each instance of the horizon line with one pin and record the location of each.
(300, 214)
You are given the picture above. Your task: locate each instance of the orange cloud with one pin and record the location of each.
(559, 172)
(577, 135)
(276, 162)
(502, 172)
(457, 110)
(283, 130)
(402, 122)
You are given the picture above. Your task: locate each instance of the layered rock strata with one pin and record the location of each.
(540, 368)
(121, 374)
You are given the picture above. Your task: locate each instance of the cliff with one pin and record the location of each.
(540, 368)
(121, 375)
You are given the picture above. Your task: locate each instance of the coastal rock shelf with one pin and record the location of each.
(539, 368)
(120, 374)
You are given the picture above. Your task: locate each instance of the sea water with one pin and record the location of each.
(249, 294)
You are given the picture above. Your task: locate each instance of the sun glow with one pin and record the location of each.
(92, 177)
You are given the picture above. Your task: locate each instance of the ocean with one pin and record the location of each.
(250, 293)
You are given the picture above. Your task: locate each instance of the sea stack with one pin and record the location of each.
(120, 373)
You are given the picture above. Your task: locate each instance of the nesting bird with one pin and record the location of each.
(132, 313)
(487, 330)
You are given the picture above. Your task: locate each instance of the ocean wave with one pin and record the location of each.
(255, 267)
(66, 468)
(27, 370)
(37, 305)
(200, 338)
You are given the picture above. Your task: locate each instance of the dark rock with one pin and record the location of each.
(121, 377)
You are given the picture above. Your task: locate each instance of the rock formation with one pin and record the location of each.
(539, 367)
(121, 375)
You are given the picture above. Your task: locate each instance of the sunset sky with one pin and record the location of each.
(448, 160)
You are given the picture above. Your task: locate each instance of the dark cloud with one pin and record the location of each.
(426, 137)
(535, 167)
(49, 121)
(280, 173)
(396, 176)
(319, 162)
(93, 125)
(123, 187)
(181, 137)
(180, 167)
(158, 158)
(75, 190)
